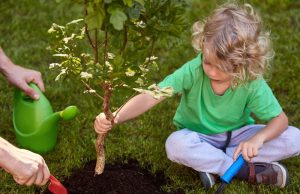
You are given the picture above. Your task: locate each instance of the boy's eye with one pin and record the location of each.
(206, 63)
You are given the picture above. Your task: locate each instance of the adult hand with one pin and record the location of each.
(102, 124)
(249, 148)
(20, 77)
(26, 167)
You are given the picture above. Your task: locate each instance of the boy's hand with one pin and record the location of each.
(249, 148)
(102, 125)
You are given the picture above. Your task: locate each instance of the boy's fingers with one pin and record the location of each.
(104, 126)
(102, 118)
(236, 152)
(250, 153)
(101, 128)
(96, 126)
(245, 154)
(103, 123)
(255, 152)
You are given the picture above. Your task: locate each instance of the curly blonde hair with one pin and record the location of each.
(236, 38)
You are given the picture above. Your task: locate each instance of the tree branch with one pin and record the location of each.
(88, 36)
(105, 46)
(89, 87)
(86, 31)
(96, 47)
(125, 40)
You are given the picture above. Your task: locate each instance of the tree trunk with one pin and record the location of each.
(101, 137)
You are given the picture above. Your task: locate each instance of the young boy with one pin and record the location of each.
(220, 90)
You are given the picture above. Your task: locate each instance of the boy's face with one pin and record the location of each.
(211, 66)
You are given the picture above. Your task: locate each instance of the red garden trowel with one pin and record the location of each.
(56, 187)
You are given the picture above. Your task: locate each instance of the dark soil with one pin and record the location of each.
(116, 179)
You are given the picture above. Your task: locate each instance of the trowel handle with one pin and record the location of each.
(233, 169)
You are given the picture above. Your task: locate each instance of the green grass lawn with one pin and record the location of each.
(23, 27)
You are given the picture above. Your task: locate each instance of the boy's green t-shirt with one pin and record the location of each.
(202, 111)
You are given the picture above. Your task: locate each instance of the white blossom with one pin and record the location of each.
(67, 39)
(62, 72)
(107, 63)
(140, 24)
(52, 65)
(51, 30)
(61, 55)
(139, 81)
(152, 58)
(89, 91)
(75, 21)
(110, 55)
(85, 75)
(129, 72)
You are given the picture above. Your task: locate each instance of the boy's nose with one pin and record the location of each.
(213, 72)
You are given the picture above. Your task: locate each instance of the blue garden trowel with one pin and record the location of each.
(230, 173)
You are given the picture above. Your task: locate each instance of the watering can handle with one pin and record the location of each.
(26, 97)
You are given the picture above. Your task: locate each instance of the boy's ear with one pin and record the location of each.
(202, 43)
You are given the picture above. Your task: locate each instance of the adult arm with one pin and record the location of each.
(26, 167)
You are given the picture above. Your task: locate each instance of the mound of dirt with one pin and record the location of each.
(116, 179)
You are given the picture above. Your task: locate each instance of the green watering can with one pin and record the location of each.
(35, 123)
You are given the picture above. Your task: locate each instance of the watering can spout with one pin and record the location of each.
(51, 121)
(69, 113)
(35, 123)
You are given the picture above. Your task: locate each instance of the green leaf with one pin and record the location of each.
(118, 60)
(117, 19)
(95, 16)
(134, 12)
(128, 2)
(142, 2)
